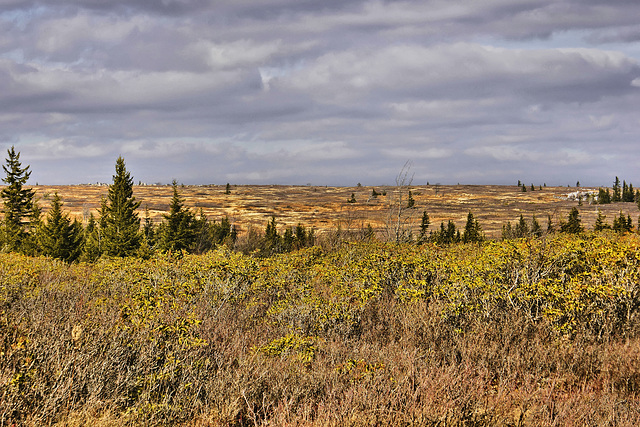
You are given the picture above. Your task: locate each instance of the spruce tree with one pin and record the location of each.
(573, 224)
(59, 237)
(178, 232)
(92, 238)
(616, 197)
(19, 203)
(424, 226)
(119, 222)
(472, 230)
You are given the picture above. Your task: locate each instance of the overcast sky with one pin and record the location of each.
(326, 92)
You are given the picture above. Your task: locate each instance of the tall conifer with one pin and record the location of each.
(119, 221)
(19, 205)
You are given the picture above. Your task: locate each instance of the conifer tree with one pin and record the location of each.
(59, 237)
(410, 200)
(91, 248)
(119, 222)
(616, 197)
(522, 229)
(573, 224)
(19, 207)
(600, 223)
(424, 226)
(536, 230)
(472, 230)
(177, 232)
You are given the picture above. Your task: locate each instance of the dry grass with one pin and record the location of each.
(177, 342)
(326, 208)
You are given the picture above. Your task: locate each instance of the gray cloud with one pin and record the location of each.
(328, 92)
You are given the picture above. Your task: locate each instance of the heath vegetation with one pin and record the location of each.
(127, 321)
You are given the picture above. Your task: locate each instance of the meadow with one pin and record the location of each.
(531, 331)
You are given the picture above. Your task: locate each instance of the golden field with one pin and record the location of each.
(326, 208)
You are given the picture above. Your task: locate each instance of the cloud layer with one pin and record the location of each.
(323, 92)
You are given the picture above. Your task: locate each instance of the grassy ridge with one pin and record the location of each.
(525, 332)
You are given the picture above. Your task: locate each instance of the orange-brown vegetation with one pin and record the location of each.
(326, 208)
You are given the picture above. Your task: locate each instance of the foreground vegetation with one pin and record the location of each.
(535, 331)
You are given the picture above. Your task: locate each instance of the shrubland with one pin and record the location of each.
(531, 331)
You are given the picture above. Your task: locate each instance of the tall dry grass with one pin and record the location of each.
(228, 340)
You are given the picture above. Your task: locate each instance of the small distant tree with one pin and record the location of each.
(616, 196)
(424, 227)
(522, 228)
(604, 197)
(524, 188)
(272, 240)
(536, 230)
(600, 223)
(59, 237)
(20, 210)
(573, 224)
(352, 199)
(410, 201)
(533, 188)
(622, 224)
(119, 222)
(227, 189)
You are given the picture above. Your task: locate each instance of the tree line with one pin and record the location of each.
(118, 231)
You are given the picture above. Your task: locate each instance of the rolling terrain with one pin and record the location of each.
(326, 208)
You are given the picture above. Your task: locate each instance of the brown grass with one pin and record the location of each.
(325, 208)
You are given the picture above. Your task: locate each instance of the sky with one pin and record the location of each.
(328, 92)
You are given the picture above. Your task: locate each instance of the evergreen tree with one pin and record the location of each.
(227, 189)
(616, 197)
(536, 230)
(352, 199)
(573, 224)
(628, 194)
(20, 210)
(472, 230)
(60, 237)
(119, 222)
(424, 226)
(604, 197)
(622, 224)
(522, 229)
(91, 248)
(272, 240)
(177, 232)
(600, 223)
(410, 201)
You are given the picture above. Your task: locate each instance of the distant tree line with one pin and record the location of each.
(118, 231)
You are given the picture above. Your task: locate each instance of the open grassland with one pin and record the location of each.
(326, 208)
(524, 332)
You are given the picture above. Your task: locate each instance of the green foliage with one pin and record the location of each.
(19, 208)
(178, 230)
(59, 237)
(616, 196)
(604, 197)
(472, 230)
(622, 224)
(600, 223)
(573, 224)
(410, 201)
(119, 222)
(446, 235)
